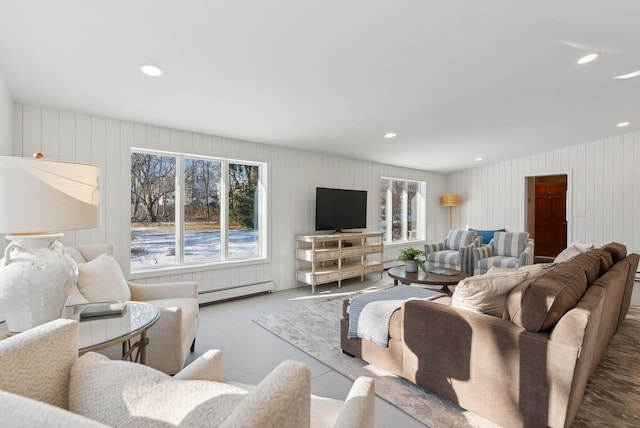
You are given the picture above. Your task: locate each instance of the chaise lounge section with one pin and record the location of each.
(533, 362)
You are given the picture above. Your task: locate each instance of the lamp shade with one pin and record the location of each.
(40, 196)
(450, 200)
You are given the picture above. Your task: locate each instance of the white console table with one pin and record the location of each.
(325, 258)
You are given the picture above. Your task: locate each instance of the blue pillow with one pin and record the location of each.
(487, 235)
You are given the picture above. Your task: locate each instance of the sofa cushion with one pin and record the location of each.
(486, 293)
(606, 260)
(459, 238)
(449, 257)
(617, 250)
(538, 304)
(119, 393)
(498, 261)
(101, 280)
(510, 244)
(590, 262)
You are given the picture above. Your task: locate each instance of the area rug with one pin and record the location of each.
(612, 397)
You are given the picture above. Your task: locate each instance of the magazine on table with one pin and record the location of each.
(439, 271)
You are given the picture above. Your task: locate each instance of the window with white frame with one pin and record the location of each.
(402, 209)
(192, 210)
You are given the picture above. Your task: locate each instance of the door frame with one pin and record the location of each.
(568, 201)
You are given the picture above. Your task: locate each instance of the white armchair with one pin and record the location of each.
(44, 383)
(173, 335)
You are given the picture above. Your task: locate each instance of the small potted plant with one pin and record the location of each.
(411, 258)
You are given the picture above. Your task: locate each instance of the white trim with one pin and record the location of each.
(211, 296)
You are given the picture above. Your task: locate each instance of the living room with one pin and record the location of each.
(603, 164)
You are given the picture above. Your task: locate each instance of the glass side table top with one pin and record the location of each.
(100, 332)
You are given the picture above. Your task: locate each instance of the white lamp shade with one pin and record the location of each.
(39, 196)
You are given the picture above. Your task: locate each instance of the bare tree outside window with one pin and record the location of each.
(202, 209)
(243, 210)
(153, 204)
(401, 204)
(200, 232)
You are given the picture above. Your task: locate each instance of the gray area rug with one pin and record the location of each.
(612, 397)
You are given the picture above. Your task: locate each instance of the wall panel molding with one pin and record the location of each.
(292, 178)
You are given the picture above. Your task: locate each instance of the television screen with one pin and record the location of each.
(339, 209)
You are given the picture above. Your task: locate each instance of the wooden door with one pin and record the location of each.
(551, 224)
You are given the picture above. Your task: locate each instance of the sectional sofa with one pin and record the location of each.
(528, 367)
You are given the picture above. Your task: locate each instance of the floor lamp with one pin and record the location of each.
(39, 199)
(450, 201)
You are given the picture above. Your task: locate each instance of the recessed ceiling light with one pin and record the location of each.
(478, 159)
(390, 135)
(623, 124)
(628, 75)
(588, 58)
(151, 70)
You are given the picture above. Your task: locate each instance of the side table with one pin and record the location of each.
(101, 332)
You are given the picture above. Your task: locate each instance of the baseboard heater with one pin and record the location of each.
(219, 294)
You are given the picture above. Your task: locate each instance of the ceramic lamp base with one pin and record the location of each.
(36, 277)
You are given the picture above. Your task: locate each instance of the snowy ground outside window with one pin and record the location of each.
(155, 247)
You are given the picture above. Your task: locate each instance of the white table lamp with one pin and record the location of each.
(38, 199)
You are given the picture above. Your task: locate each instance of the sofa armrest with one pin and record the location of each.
(169, 290)
(465, 357)
(207, 367)
(36, 363)
(19, 411)
(481, 252)
(438, 246)
(357, 410)
(466, 257)
(526, 258)
(281, 400)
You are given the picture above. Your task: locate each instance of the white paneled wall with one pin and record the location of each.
(5, 117)
(292, 178)
(604, 190)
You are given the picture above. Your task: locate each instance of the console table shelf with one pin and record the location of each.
(325, 258)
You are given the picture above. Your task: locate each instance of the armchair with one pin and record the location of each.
(454, 251)
(173, 335)
(506, 249)
(43, 382)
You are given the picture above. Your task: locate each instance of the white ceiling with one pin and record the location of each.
(456, 80)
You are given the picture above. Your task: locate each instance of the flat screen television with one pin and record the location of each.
(340, 209)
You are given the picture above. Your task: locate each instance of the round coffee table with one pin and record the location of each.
(400, 275)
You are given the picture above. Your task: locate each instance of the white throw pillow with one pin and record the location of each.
(534, 270)
(486, 293)
(101, 280)
(573, 250)
(75, 254)
(120, 393)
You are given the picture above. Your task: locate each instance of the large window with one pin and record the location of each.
(188, 210)
(402, 209)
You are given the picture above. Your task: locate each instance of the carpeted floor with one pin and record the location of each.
(612, 397)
